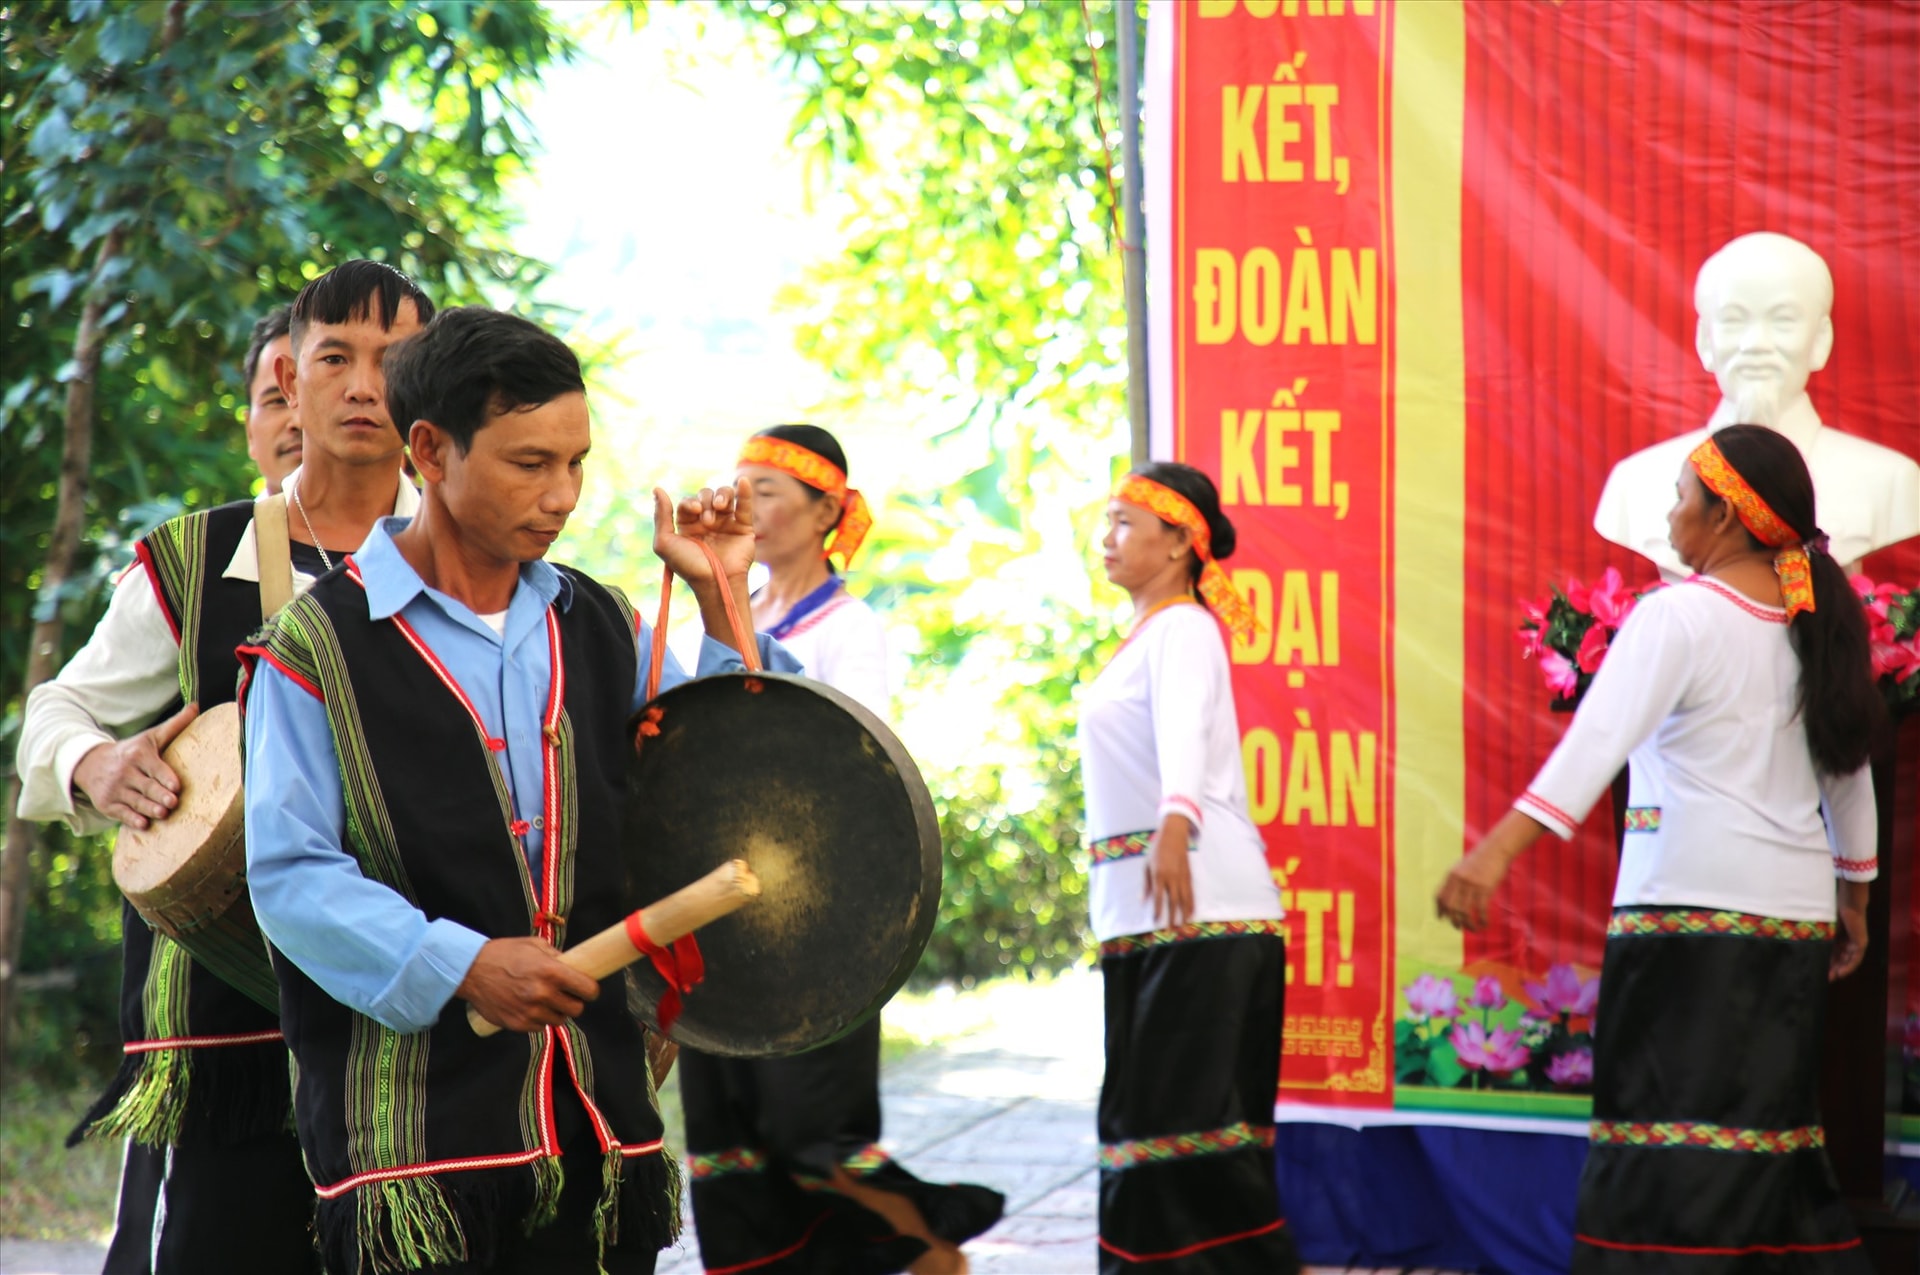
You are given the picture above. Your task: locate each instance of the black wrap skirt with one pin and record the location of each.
(1707, 1153)
(763, 1138)
(1186, 1110)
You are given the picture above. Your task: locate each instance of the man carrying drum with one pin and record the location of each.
(437, 749)
(212, 1179)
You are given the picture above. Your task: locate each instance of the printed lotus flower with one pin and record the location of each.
(1535, 1030)
(1430, 997)
(1593, 650)
(1565, 992)
(1575, 1067)
(1487, 993)
(1500, 1052)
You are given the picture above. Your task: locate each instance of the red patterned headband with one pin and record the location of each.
(1757, 516)
(1216, 586)
(821, 474)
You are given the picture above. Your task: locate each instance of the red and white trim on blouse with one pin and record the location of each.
(1758, 610)
(814, 620)
(1856, 865)
(1531, 803)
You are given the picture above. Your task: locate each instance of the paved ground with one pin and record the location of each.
(1010, 1105)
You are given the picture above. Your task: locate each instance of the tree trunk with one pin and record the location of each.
(43, 658)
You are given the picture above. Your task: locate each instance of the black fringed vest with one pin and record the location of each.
(426, 1144)
(228, 1081)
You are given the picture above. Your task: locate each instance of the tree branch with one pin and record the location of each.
(43, 651)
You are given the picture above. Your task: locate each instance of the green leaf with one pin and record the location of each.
(125, 38)
(1443, 1065)
(54, 140)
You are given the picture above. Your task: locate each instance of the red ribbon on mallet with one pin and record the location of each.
(681, 966)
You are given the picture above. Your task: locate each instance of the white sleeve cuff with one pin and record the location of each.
(1175, 804)
(54, 797)
(1538, 808)
(1856, 869)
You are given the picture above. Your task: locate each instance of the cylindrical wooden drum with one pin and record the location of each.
(187, 874)
(836, 822)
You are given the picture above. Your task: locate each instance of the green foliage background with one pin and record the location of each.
(979, 291)
(238, 149)
(980, 281)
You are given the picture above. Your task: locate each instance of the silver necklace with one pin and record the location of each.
(325, 562)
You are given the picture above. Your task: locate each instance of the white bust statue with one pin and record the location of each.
(1765, 304)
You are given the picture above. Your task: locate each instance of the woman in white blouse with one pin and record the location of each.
(1192, 940)
(1744, 699)
(788, 1175)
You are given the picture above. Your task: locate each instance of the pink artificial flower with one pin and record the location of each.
(1500, 1051)
(1611, 599)
(1487, 993)
(1593, 649)
(1562, 677)
(1872, 596)
(1892, 657)
(1575, 1067)
(1536, 612)
(1565, 993)
(1530, 643)
(1579, 596)
(1430, 997)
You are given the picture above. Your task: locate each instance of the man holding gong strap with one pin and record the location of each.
(436, 762)
(212, 1179)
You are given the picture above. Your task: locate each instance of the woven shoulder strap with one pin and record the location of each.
(272, 549)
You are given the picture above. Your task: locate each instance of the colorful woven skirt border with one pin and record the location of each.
(1191, 932)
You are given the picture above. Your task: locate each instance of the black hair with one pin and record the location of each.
(814, 439)
(272, 325)
(472, 364)
(353, 291)
(1837, 699)
(1202, 495)
(821, 444)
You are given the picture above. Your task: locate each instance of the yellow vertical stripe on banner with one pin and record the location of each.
(1429, 794)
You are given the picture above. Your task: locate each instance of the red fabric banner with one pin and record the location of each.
(1423, 275)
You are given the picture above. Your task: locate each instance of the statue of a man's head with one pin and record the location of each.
(1765, 303)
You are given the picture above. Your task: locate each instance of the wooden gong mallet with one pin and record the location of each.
(726, 889)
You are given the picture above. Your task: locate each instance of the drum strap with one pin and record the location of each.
(742, 632)
(275, 554)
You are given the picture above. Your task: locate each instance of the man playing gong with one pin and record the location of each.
(212, 1180)
(436, 756)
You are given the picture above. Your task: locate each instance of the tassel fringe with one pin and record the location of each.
(146, 1102)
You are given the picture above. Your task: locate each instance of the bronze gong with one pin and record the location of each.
(820, 798)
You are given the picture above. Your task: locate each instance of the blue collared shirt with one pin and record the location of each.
(364, 944)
